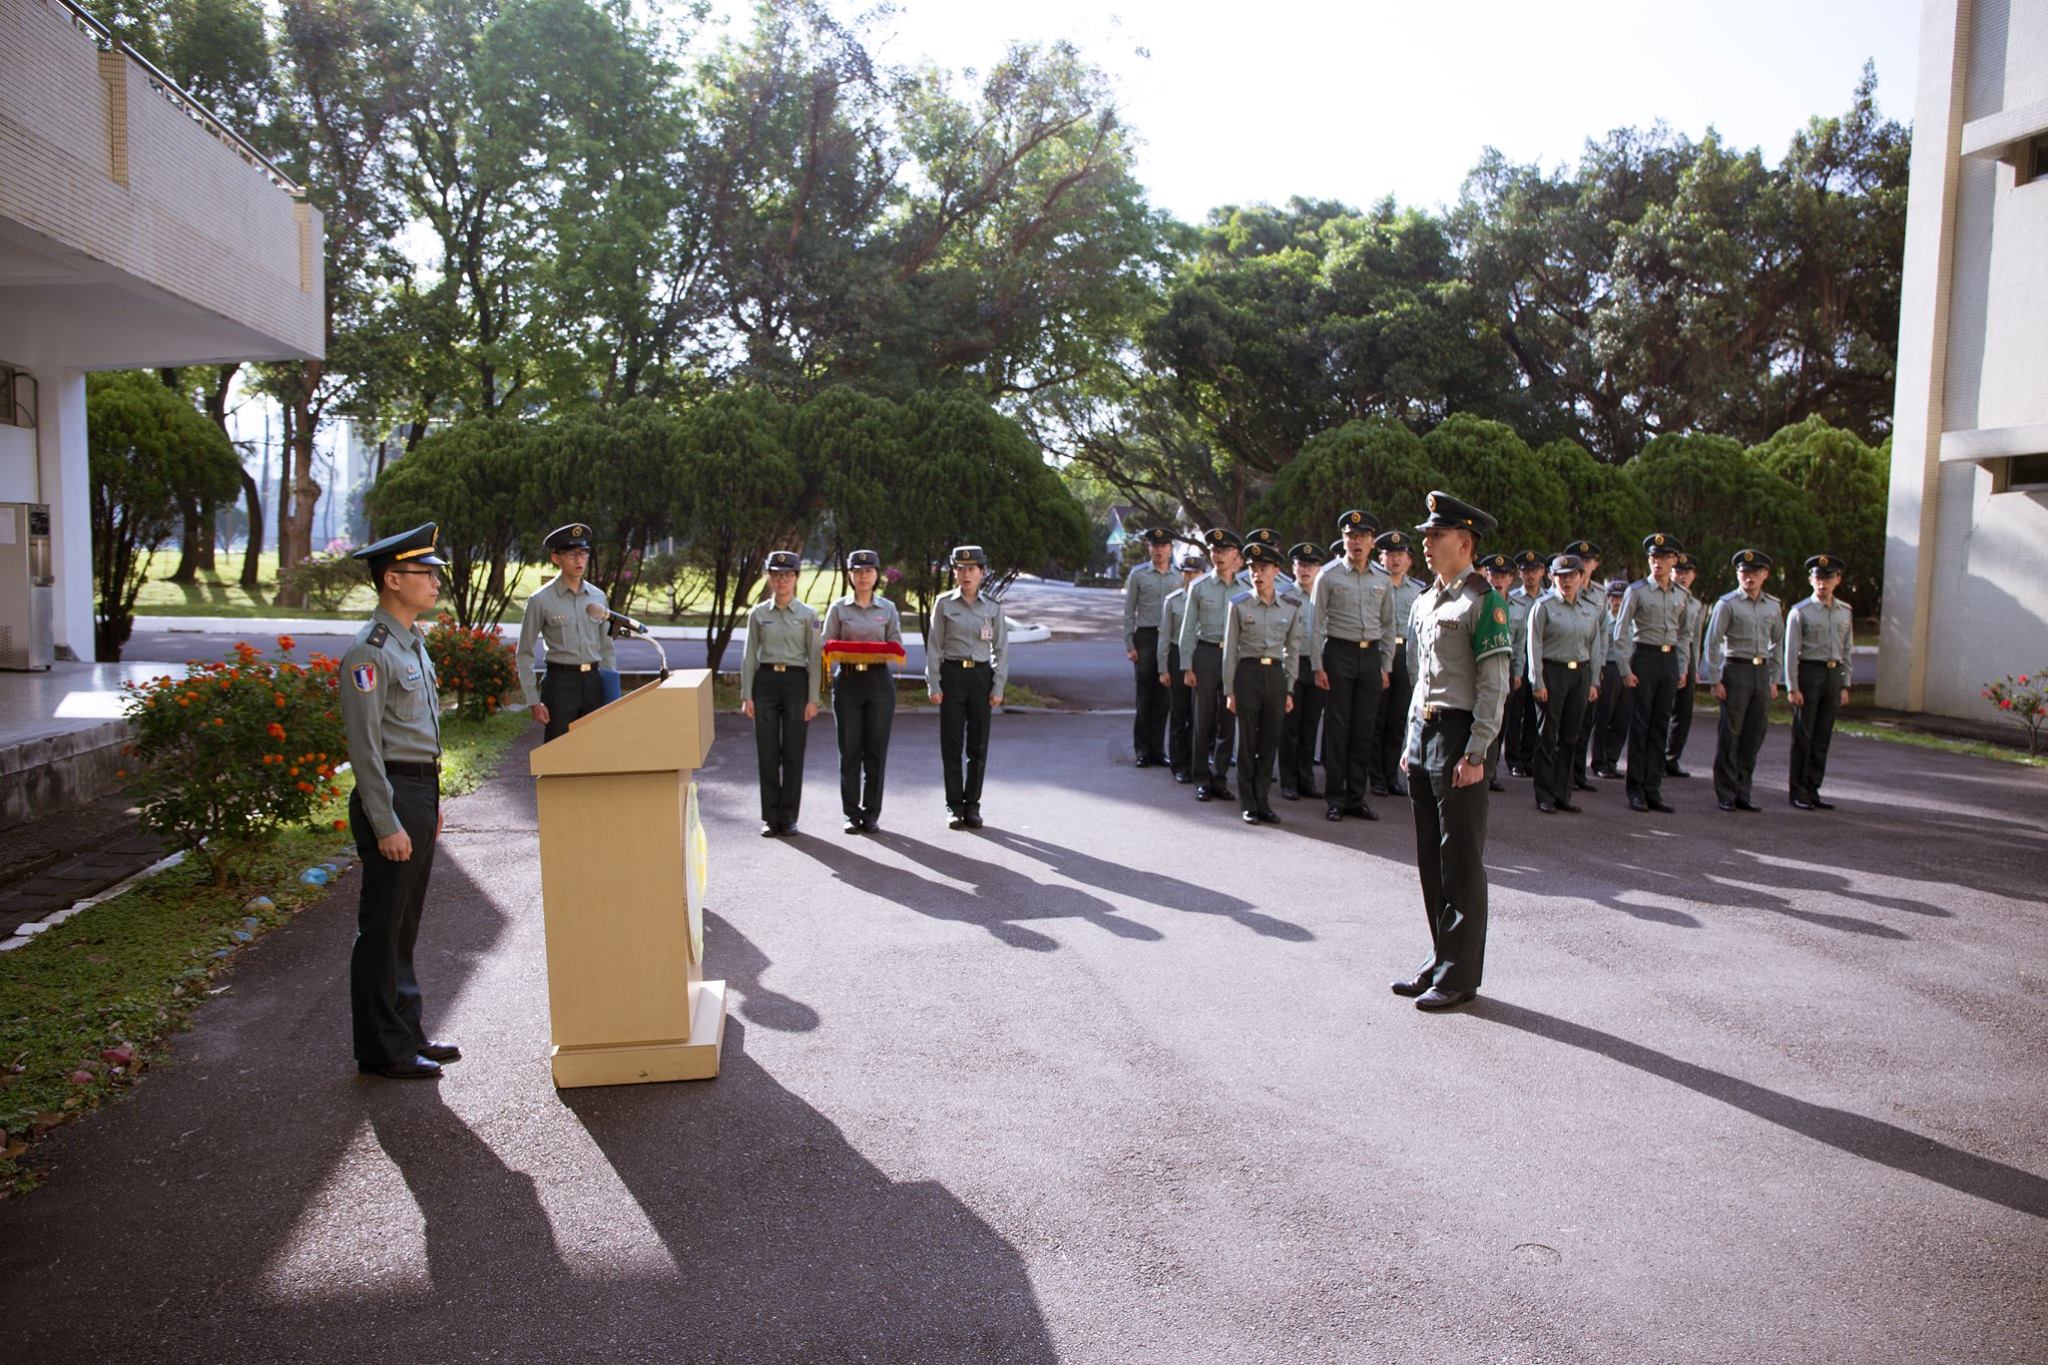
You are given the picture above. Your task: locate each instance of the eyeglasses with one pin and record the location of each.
(435, 573)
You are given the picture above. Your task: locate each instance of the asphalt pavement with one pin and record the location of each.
(1118, 1078)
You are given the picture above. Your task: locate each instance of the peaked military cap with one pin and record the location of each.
(1826, 565)
(783, 561)
(1686, 562)
(1261, 535)
(1447, 513)
(1584, 549)
(1264, 551)
(1158, 535)
(1336, 548)
(1394, 540)
(1194, 561)
(1616, 588)
(407, 547)
(574, 536)
(969, 554)
(1305, 552)
(1567, 564)
(1750, 559)
(1358, 522)
(863, 559)
(1528, 559)
(1497, 562)
(1660, 543)
(1216, 537)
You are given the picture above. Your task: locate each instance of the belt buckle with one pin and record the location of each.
(1757, 661)
(1834, 663)
(1572, 664)
(967, 663)
(860, 668)
(780, 668)
(1666, 649)
(1365, 644)
(1266, 662)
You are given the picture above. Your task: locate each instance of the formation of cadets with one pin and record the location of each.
(1601, 675)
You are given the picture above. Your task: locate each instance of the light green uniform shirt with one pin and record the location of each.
(1565, 632)
(391, 709)
(967, 630)
(1171, 609)
(561, 620)
(1263, 630)
(1817, 633)
(1745, 630)
(1144, 589)
(1353, 605)
(1462, 643)
(1205, 614)
(786, 637)
(1655, 615)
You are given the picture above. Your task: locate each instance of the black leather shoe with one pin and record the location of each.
(1494, 784)
(441, 1052)
(1202, 793)
(1637, 803)
(1334, 813)
(1378, 789)
(412, 1069)
(1819, 804)
(853, 825)
(1222, 793)
(1396, 789)
(1412, 987)
(1546, 807)
(1569, 808)
(957, 822)
(1749, 806)
(1673, 770)
(1801, 803)
(1182, 778)
(1517, 770)
(1611, 774)
(1141, 762)
(1726, 805)
(1251, 817)
(1437, 998)
(1361, 811)
(973, 819)
(1580, 784)
(1661, 806)
(768, 831)
(1267, 817)
(1289, 794)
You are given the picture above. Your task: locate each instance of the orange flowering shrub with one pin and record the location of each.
(476, 664)
(231, 751)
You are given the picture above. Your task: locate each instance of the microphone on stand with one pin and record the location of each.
(617, 624)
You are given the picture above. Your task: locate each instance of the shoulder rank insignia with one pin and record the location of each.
(379, 633)
(1241, 597)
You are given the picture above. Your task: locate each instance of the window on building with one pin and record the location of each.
(2025, 474)
(2032, 163)
(15, 391)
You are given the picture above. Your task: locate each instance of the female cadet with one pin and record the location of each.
(863, 647)
(1264, 638)
(780, 674)
(1819, 639)
(966, 664)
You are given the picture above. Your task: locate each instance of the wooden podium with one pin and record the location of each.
(622, 886)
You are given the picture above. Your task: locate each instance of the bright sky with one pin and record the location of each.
(1360, 99)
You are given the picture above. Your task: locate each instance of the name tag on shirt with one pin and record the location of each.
(988, 630)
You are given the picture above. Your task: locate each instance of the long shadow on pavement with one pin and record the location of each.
(1871, 1139)
(790, 1244)
(742, 963)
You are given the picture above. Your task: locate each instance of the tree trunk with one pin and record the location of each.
(295, 527)
(252, 493)
(196, 515)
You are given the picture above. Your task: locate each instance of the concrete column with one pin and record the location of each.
(62, 466)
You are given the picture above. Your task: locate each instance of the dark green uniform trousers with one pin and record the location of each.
(569, 692)
(1393, 724)
(1351, 710)
(780, 735)
(1180, 712)
(864, 710)
(1214, 734)
(966, 689)
(1558, 722)
(1608, 729)
(1261, 696)
(1681, 720)
(1450, 854)
(1739, 734)
(383, 993)
(1298, 733)
(1148, 727)
(1649, 720)
(1813, 724)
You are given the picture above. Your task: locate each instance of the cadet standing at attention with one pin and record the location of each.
(1201, 655)
(1501, 577)
(391, 709)
(1521, 752)
(1353, 649)
(1397, 558)
(1654, 609)
(1461, 684)
(1565, 653)
(571, 617)
(1684, 573)
(1263, 638)
(1616, 708)
(1595, 591)
(1180, 713)
(1298, 730)
(781, 673)
(1819, 642)
(1745, 639)
(1145, 588)
(863, 647)
(966, 664)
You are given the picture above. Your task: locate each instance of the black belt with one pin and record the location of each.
(1268, 662)
(395, 769)
(1362, 644)
(1208, 644)
(1572, 664)
(571, 668)
(1433, 714)
(785, 668)
(969, 663)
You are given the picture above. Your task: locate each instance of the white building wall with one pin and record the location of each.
(1966, 590)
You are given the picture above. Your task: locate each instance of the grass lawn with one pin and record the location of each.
(220, 593)
(1853, 720)
(88, 1005)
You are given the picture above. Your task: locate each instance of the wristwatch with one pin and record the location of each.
(1476, 760)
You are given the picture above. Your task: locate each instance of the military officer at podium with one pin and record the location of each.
(781, 674)
(570, 616)
(863, 688)
(391, 709)
(966, 664)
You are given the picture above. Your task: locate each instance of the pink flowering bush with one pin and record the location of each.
(2025, 700)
